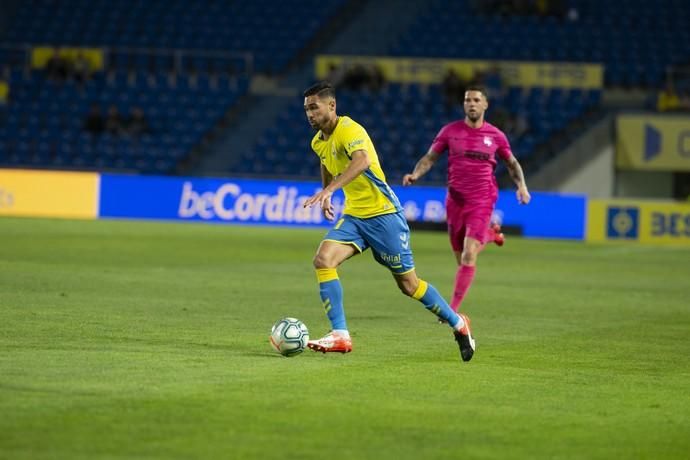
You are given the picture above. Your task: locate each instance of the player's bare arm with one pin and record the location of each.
(326, 207)
(360, 162)
(515, 171)
(422, 167)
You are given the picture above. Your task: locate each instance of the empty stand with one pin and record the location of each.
(43, 125)
(635, 39)
(272, 31)
(185, 64)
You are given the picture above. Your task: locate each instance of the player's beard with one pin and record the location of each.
(474, 117)
(319, 123)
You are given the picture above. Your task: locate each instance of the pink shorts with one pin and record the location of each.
(467, 220)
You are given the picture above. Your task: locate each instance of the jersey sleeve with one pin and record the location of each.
(503, 149)
(440, 143)
(352, 138)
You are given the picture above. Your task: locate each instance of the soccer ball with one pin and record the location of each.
(289, 336)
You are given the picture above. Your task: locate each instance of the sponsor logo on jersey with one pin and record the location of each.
(390, 259)
(477, 155)
(351, 146)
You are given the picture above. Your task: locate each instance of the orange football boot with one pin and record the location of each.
(499, 238)
(331, 343)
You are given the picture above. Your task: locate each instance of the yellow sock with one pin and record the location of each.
(326, 274)
(421, 290)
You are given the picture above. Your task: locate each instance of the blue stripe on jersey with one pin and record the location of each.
(383, 188)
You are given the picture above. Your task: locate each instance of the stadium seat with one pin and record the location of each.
(259, 28)
(624, 36)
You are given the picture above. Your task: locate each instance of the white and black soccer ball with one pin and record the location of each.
(289, 336)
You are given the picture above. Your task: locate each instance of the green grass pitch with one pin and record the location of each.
(150, 340)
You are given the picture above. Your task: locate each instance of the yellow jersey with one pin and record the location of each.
(367, 195)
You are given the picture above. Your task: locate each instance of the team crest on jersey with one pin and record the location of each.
(487, 141)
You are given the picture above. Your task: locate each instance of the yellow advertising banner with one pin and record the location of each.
(653, 142)
(656, 222)
(432, 71)
(41, 54)
(48, 194)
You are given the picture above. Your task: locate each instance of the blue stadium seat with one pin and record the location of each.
(613, 33)
(46, 119)
(264, 29)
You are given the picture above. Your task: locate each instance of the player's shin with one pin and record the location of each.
(463, 281)
(331, 292)
(435, 303)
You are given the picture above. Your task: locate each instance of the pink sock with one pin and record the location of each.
(463, 280)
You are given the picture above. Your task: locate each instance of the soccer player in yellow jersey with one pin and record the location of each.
(372, 218)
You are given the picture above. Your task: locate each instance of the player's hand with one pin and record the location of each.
(323, 199)
(523, 195)
(327, 209)
(409, 179)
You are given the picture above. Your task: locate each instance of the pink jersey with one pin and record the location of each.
(472, 159)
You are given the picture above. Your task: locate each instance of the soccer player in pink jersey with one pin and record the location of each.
(473, 145)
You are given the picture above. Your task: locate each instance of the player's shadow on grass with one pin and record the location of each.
(256, 349)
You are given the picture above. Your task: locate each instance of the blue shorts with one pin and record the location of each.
(387, 235)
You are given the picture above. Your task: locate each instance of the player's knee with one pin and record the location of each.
(408, 287)
(468, 258)
(322, 261)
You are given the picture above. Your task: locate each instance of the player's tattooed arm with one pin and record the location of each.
(422, 167)
(515, 171)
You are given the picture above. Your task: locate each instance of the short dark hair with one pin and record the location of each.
(322, 89)
(480, 88)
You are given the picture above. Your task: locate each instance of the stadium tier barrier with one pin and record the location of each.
(653, 142)
(40, 56)
(433, 70)
(279, 203)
